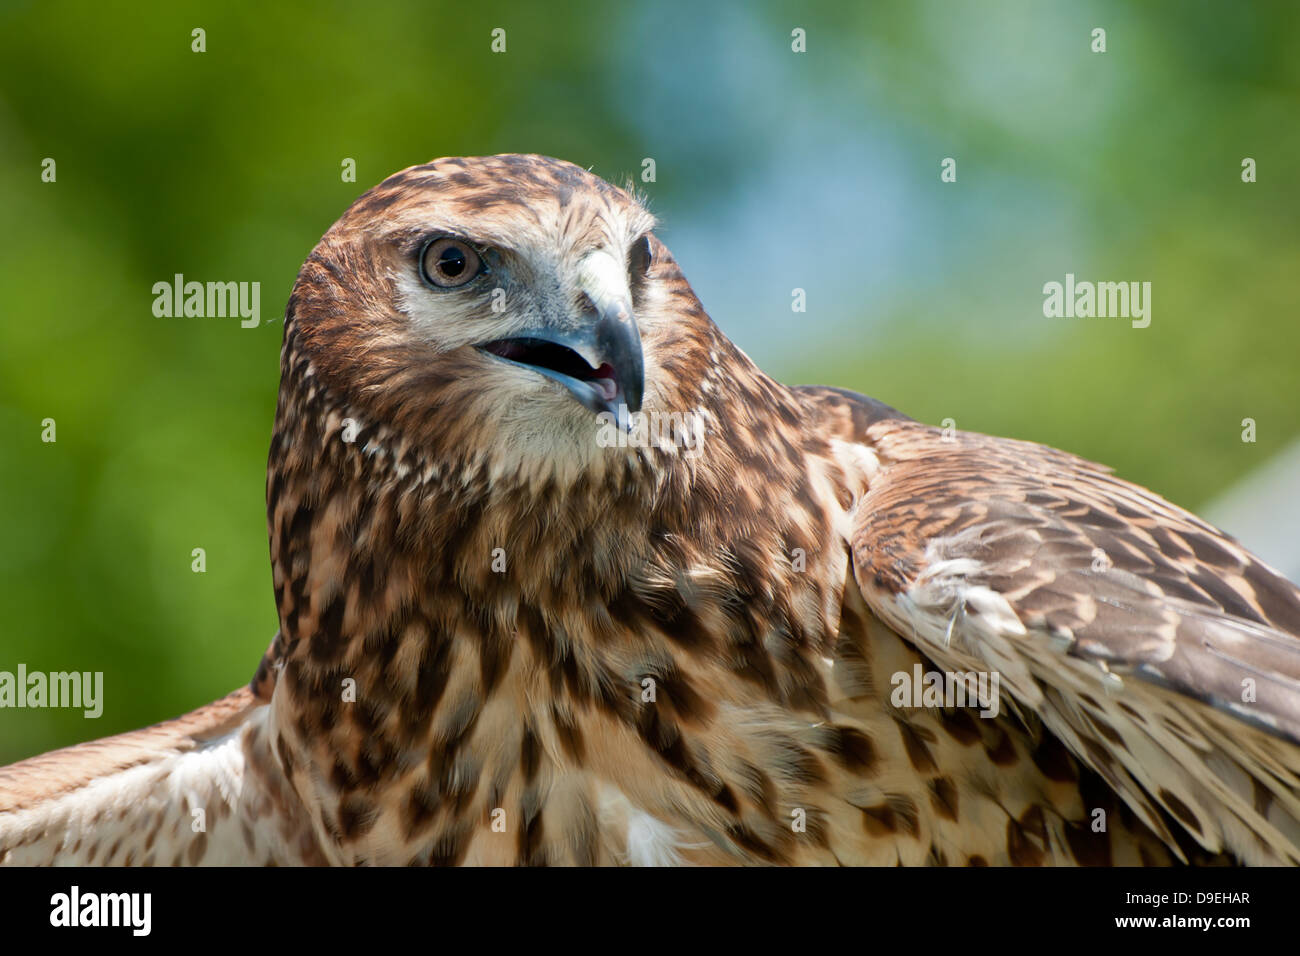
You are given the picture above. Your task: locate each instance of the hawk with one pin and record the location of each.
(524, 621)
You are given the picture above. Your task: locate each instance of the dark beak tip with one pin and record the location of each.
(619, 341)
(634, 387)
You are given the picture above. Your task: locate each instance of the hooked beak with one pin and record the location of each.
(600, 364)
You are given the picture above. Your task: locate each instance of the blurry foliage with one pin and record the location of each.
(225, 166)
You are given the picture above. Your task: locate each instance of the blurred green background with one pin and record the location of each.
(775, 170)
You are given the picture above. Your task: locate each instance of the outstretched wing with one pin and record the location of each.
(1158, 649)
(200, 789)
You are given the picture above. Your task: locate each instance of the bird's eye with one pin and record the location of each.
(448, 263)
(640, 258)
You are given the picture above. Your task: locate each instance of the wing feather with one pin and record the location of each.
(1163, 653)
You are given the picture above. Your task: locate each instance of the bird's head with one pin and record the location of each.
(512, 305)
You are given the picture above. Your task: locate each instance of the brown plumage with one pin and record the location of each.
(503, 641)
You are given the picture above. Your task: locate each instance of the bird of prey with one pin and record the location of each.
(524, 621)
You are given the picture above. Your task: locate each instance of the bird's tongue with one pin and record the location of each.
(603, 381)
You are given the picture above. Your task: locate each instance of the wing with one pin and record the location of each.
(132, 799)
(1158, 649)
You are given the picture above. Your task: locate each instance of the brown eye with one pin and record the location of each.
(448, 263)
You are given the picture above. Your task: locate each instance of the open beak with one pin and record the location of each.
(601, 364)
